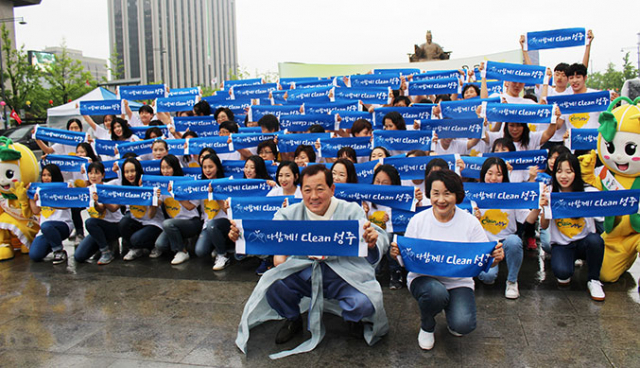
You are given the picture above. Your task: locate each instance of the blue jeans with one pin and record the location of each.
(136, 235)
(176, 231)
(284, 295)
(53, 233)
(101, 232)
(590, 248)
(215, 235)
(512, 246)
(433, 297)
(545, 240)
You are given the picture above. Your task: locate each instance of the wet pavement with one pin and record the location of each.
(147, 313)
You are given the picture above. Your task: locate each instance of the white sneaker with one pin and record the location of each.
(221, 263)
(426, 340)
(214, 254)
(155, 253)
(180, 257)
(578, 263)
(565, 282)
(453, 332)
(512, 290)
(133, 254)
(595, 289)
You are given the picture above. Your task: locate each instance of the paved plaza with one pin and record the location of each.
(147, 313)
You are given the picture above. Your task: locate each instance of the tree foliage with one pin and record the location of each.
(613, 79)
(115, 66)
(67, 78)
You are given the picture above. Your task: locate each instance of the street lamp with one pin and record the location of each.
(20, 20)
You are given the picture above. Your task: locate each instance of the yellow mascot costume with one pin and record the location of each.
(18, 168)
(618, 149)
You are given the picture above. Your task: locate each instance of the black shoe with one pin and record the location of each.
(395, 282)
(356, 329)
(59, 257)
(289, 330)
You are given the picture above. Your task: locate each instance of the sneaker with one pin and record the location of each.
(180, 257)
(396, 280)
(512, 290)
(155, 253)
(595, 289)
(578, 263)
(265, 265)
(565, 282)
(79, 238)
(133, 254)
(452, 332)
(96, 256)
(531, 244)
(214, 254)
(426, 340)
(221, 263)
(239, 257)
(106, 258)
(59, 257)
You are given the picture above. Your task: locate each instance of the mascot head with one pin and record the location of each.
(17, 164)
(619, 138)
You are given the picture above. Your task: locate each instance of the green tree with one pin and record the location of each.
(115, 66)
(20, 77)
(612, 79)
(67, 78)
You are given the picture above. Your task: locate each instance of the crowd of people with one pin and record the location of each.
(176, 230)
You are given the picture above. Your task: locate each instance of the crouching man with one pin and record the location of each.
(344, 286)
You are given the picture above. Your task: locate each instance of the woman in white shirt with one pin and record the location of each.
(287, 177)
(445, 222)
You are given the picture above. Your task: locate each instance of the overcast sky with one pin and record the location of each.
(364, 31)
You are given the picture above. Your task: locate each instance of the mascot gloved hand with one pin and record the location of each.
(18, 168)
(618, 149)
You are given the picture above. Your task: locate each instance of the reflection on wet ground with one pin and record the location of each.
(149, 313)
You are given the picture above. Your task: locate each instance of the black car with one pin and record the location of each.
(22, 134)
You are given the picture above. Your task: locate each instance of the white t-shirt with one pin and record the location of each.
(463, 227)
(55, 214)
(107, 215)
(278, 191)
(376, 216)
(211, 210)
(177, 211)
(498, 224)
(409, 183)
(534, 140)
(586, 120)
(458, 146)
(141, 214)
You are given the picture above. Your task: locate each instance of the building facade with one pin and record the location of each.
(183, 43)
(97, 67)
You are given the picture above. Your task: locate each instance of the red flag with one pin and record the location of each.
(15, 116)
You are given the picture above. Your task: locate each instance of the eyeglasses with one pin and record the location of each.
(266, 153)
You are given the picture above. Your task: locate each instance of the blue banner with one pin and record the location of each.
(140, 131)
(521, 160)
(583, 139)
(219, 98)
(65, 137)
(126, 195)
(138, 147)
(463, 109)
(331, 107)
(368, 95)
(581, 102)
(286, 83)
(147, 92)
(233, 168)
(302, 123)
(301, 238)
(151, 167)
(109, 174)
(557, 38)
(176, 146)
(317, 95)
(258, 111)
(543, 178)
(472, 166)
(254, 91)
(403, 140)
(289, 142)
(255, 208)
(34, 186)
(241, 82)
(493, 87)
(329, 147)
(184, 123)
(66, 163)
(105, 147)
(182, 92)
(504, 195)
(174, 104)
(221, 189)
(446, 259)
(64, 197)
(594, 204)
(387, 80)
(436, 74)
(413, 168)
(454, 128)
(520, 73)
(101, 107)
(433, 87)
(249, 140)
(365, 171)
(520, 113)
(315, 84)
(162, 182)
(347, 118)
(194, 173)
(219, 144)
(409, 114)
(394, 196)
(402, 71)
(400, 219)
